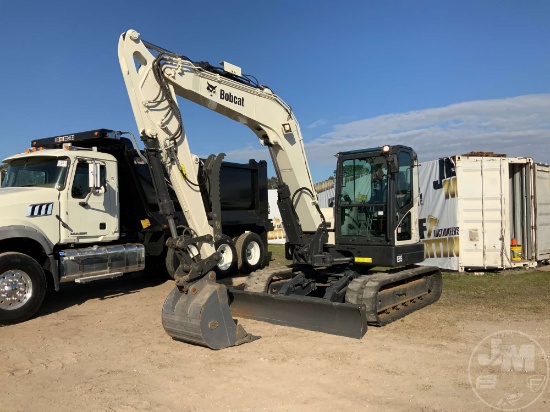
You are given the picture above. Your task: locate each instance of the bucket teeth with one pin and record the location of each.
(202, 317)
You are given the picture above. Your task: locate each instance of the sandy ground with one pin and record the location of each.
(101, 347)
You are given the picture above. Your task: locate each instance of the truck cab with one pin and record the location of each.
(59, 222)
(58, 193)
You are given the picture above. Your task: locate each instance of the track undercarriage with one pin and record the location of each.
(340, 303)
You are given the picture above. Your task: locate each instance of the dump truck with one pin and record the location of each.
(81, 207)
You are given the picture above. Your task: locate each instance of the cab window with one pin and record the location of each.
(404, 184)
(81, 184)
(404, 195)
(36, 171)
(363, 197)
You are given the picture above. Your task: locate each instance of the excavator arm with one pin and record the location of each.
(197, 310)
(159, 124)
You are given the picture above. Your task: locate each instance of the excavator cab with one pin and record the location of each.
(376, 191)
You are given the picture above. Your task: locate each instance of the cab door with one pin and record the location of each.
(91, 215)
(406, 184)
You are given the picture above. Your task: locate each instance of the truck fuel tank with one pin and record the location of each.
(100, 262)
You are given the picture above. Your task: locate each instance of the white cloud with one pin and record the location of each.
(246, 153)
(317, 124)
(517, 126)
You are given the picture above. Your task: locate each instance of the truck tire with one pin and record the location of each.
(22, 287)
(250, 252)
(228, 264)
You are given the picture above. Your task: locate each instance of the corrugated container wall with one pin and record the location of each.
(471, 207)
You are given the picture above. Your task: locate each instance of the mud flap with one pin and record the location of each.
(201, 316)
(342, 319)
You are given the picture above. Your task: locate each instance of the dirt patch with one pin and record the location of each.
(101, 347)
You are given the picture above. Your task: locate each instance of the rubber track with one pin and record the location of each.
(364, 291)
(259, 280)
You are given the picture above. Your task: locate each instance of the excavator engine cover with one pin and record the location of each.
(201, 316)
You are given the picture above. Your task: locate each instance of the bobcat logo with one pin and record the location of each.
(211, 89)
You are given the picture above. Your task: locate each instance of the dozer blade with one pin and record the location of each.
(201, 316)
(389, 296)
(302, 312)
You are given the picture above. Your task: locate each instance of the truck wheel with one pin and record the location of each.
(22, 287)
(228, 264)
(250, 252)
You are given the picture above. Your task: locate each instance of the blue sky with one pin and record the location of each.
(445, 78)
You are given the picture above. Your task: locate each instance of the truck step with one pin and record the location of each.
(89, 279)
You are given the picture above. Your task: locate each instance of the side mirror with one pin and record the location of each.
(94, 176)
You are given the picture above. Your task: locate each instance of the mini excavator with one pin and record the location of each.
(331, 286)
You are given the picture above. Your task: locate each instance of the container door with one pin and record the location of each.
(482, 210)
(542, 211)
(438, 214)
(521, 209)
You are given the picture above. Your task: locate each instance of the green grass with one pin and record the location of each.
(278, 255)
(524, 282)
(507, 291)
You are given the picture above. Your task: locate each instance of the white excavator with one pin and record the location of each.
(331, 286)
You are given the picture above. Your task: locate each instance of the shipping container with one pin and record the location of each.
(484, 212)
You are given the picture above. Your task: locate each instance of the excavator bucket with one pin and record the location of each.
(202, 317)
(301, 312)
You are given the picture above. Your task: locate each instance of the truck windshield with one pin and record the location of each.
(363, 197)
(39, 171)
